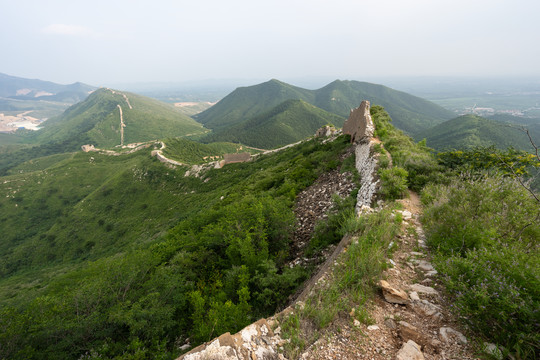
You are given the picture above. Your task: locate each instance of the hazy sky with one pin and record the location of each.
(114, 41)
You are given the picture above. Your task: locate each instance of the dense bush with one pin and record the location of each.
(393, 182)
(330, 231)
(510, 162)
(486, 234)
(469, 214)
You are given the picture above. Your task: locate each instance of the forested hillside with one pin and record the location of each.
(98, 118)
(125, 256)
(287, 123)
(410, 113)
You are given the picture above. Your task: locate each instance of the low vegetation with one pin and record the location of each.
(351, 284)
(416, 159)
(192, 152)
(483, 227)
(485, 232)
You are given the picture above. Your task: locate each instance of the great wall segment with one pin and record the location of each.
(261, 339)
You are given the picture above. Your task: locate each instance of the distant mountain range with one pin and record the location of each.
(266, 115)
(409, 113)
(31, 89)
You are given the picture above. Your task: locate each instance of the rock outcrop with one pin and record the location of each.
(393, 295)
(256, 341)
(410, 351)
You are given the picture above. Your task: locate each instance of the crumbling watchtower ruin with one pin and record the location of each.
(359, 124)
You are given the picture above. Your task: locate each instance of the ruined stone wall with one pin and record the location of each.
(236, 158)
(366, 164)
(255, 341)
(359, 124)
(88, 148)
(361, 128)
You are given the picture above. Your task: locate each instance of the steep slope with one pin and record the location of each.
(290, 121)
(247, 102)
(410, 113)
(469, 131)
(98, 120)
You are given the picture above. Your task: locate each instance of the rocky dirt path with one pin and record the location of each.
(409, 314)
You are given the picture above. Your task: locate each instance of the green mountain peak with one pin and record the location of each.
(106, 113)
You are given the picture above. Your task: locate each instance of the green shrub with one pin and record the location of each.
(469, 214)
(330, 231)
(497, 294)
(486, 235)
(393, 183)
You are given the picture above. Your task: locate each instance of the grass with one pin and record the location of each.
(351, 284)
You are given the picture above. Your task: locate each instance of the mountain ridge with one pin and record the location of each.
(30, 89)
(469, 131)
(410, 113)
(288, 122)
